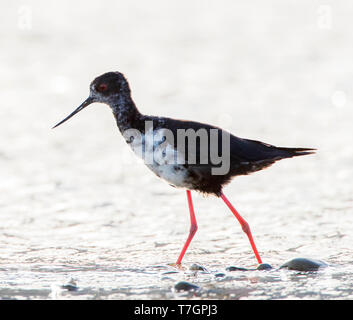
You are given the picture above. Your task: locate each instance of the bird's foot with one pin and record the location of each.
(178, 266)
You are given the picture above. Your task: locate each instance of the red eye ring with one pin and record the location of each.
(102, 87)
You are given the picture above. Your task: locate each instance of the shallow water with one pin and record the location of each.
(75, 205)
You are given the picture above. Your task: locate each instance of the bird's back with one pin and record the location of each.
(199, 151)
(241, 150)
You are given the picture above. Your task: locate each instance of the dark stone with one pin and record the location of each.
(186, 286)
(236, 269)
(69, 287)
(219, 275)
(197, 267)
(170, 272)
(304, 264)
(264, 266)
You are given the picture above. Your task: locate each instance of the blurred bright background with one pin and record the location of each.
(74, 202)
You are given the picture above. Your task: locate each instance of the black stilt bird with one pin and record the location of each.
(190, 163)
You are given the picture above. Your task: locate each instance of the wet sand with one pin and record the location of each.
(76, 205)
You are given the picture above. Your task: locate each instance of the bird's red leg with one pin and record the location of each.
(193, 227)
(245, 226)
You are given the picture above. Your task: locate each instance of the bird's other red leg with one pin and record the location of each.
(193, 227)
(245, 226)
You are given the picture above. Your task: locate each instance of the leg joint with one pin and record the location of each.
(245, 226)
(193, 228)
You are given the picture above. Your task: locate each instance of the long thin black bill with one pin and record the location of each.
(86, 103)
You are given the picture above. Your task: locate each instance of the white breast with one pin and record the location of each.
(160, 157)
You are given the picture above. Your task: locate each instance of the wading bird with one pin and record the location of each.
(190, 167)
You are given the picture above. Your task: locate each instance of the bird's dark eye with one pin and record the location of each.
(102, 87)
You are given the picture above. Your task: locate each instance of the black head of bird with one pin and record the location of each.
(110, 88)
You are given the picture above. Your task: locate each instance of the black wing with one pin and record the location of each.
(241, 150)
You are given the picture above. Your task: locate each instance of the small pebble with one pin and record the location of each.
(186, 286)
(70, 286)
(304, 264)
(197, 267)
(220, 275)
(264, 266)
(170, 272)
(236, 269)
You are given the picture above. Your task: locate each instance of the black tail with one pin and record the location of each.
(294, 152)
